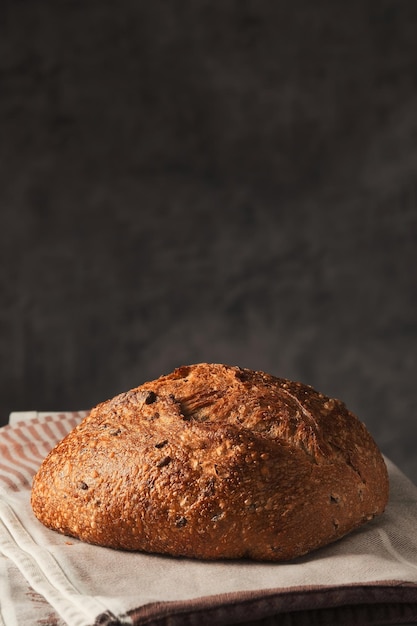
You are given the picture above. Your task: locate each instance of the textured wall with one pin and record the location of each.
(197, 181)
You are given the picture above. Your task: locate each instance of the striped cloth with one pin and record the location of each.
(369, 577)
(24, 445)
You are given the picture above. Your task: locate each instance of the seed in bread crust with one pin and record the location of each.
(163, 462)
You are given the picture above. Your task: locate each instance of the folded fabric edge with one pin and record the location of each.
(395, 600)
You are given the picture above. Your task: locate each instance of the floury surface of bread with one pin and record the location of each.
(214, 462)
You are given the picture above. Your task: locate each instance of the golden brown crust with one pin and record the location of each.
(213, 461)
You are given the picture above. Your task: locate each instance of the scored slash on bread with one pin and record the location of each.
(214, 461)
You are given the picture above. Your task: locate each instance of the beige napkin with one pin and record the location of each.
(369, 577)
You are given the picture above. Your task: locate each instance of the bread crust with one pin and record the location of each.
(214, 461)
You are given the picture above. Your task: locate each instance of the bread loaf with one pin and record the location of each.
(213, 461)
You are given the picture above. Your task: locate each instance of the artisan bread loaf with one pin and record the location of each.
(213, 461)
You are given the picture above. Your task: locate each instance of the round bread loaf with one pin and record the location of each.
(213, 461)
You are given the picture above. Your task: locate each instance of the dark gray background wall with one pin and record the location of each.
(200, 181)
